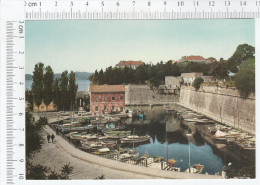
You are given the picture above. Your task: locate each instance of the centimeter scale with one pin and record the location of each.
(13, 17)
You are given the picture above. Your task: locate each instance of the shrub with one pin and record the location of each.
(197, 82)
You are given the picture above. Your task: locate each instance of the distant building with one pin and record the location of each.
(130, 63)
(192, 58)
(210, 60)
(188, 78)
(174, 61)
(107, 98)
(172, 81)
(44, 108)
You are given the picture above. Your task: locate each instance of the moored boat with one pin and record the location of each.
(135, 139)
(196, 168)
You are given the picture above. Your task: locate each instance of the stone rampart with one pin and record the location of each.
(144, 95)
(220, 104)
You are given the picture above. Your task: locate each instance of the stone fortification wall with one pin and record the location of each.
(223, 105)
(144, 95)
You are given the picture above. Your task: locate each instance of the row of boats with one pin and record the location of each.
(231, 136)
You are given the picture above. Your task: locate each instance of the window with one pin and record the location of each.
(97, 98)
(105, 108)
(121, 109)
(113, 98)
(96, 108)
(42, 107)
(105, 98)
(113, 107)
(121, 97)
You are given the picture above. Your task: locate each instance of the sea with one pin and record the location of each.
(82, 84)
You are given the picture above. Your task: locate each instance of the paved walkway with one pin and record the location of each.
(88, 166)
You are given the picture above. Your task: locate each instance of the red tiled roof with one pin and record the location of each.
(107, 88)
(194, 58)
(211, 59)
(129, 63)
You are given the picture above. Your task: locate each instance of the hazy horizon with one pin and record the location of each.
(87, 45)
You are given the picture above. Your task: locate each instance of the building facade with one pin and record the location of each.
(193, 58)
(44, 108)
(130, 63)
(188, 78)
(107, 98)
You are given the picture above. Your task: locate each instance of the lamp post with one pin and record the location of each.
(189, 135)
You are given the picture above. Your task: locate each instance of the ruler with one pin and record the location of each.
(141, 9)
(13, 17)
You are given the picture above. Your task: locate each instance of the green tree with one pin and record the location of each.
(73, 87)
(64, 91)
(245, 78)
(29, 97)
(57, 93)
(242, 53)
(219, 69)
(37, 84)
(33, 137)
(48, 80)
(197, 82)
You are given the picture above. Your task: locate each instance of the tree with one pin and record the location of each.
(37, 84)
(64, 89)
(242, 53)
(57, 93)
(29, 96)
(245, 78)
(219, 69)
(48, 86)
(33, 137)
(73, 87)
(197, 82)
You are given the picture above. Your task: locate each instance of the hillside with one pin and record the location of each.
(79, 75)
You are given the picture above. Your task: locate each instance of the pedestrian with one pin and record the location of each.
(52, 137)
(48, 137)
(57, 131)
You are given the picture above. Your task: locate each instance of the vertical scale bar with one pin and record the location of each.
(9, 101)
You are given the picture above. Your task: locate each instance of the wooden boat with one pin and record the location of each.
(196, 168)
(157, 159)
(171, 162)
(135, 139)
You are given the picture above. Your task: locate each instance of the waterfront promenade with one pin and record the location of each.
(88, 166)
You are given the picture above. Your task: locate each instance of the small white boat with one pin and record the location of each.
(135, 139)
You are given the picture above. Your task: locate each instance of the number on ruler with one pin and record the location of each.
(227, 3)
(211, 3)
(20, 114)
(257, 3)
(56, 3)
(102, 3)
(87, 3)
(21, 52)
(71, 3)
(149, 3)
(21, 176)
(21, 160)
(117, 3)
(21, 67)
(133, 3)
(195, 3)
(180, 3)
(165, 3)
(242, 3)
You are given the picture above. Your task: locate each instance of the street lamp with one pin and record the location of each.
(189, 135)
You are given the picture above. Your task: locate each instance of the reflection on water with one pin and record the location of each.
(163, 126)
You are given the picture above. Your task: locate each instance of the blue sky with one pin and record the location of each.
(87, 45)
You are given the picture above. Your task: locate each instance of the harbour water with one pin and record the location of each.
(166, 127)
(82, 84)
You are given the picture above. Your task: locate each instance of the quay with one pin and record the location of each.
(116, 165)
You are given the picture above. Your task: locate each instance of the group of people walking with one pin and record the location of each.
(50, 137)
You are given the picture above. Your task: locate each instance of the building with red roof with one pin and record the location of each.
(130, 63)
(192, 58)
(107, 98)
(210, 60)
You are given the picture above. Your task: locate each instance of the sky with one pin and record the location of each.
(87, 45)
